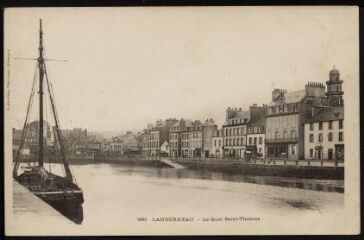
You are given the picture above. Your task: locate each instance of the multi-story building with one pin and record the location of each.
(74, 140)
(31, 138)
(217, 144)
(284, 133)
(196, 139)
(324, 134)
(175, 138)
(127, 143)
(146, 141)
(154, 136)
(235, 129)
(234, 132)
(288, 112)
(116, 146)
(191, 139)
(256, 135)
(209, 129)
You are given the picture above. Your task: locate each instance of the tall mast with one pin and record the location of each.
(41, 75)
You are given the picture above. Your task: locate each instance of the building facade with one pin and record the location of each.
(209, 129)
(324, 134)
(191, 139)
(146, 141)
(217, 144)
(154, 136)
(31, 139)
(175, 146)
(235, 129)
(256, 136)
(234, 132)
(196, 139)
(288, 113)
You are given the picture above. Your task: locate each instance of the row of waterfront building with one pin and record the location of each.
(304, 124)
(77, 142)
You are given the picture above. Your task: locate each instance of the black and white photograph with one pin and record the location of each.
(181, 121)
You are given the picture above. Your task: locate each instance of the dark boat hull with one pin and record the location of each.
(64, 196)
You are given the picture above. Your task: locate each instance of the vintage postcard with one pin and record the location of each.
(181, 121)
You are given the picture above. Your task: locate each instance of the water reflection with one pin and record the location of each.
(308, 184)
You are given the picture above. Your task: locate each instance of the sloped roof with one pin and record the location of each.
(328, 114)
(243, 115)
(295, 97)
(188, 123)
(257, 121)
(291, 97)
(240, 114)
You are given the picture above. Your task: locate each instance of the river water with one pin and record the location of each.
(117, 197)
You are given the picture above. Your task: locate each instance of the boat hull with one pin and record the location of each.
(64, 196)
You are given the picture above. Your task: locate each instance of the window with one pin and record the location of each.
(276, 135)
(284, 134)
(293, 134)
(294, 108)
(215, 143)
(330, 124)
(329, 153)
(259, 150)
(311, 126)
(237, 141)
(320, 137)
(341, 124)
(311, 152)
(230, 132)
(242, 141)
(255, 141)
(226, 132)
(293, 150)
(260, 140)
(273, 109)
(250, 141)
(330, 137)
(281, 108)
(341, 136)
(311, 138)
(226, 142)
(320, 125)
(234, 142)
(237, 131)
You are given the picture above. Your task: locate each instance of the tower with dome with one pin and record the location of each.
(334, 88)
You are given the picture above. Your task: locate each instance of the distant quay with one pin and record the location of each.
(243, 168)
(231, 166)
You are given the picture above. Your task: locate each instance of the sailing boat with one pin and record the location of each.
(62, 193)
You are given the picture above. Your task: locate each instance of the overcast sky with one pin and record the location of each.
(131, 66)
